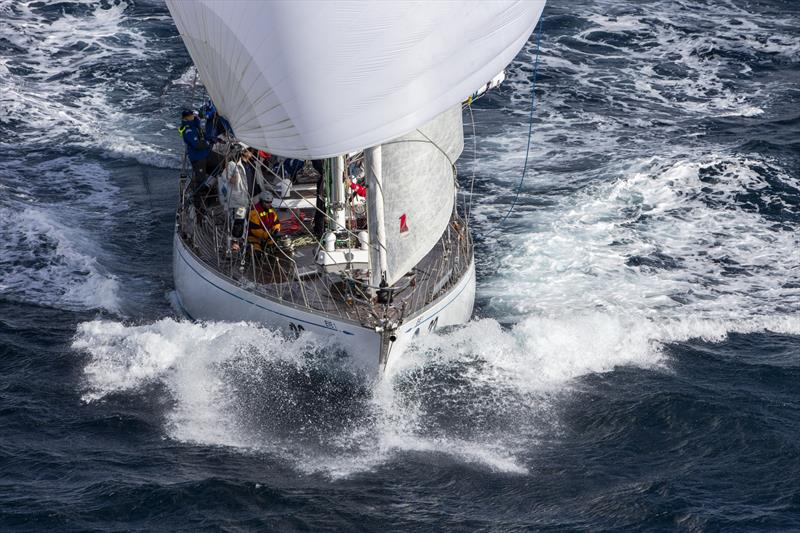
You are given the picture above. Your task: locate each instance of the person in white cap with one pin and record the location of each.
(264, 223)
(233, 194)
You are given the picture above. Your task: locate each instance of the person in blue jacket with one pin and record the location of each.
(198, 149)
(215, 124)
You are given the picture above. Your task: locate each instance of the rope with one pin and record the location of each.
(474, 166)
(530, 133)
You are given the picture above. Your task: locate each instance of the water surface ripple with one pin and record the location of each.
(634, 359)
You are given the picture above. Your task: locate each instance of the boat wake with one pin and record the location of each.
(59, 89)
(477, 395)
(49, 228)
(712, 237)
(74, 79)
(606, 276)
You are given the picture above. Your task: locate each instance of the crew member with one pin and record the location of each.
(292, 168)
(197, 149)
(358, 189)
(214, 126)
(249, 162)
(234, 196)
(264, 223)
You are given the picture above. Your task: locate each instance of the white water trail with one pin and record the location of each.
(56, 103)
(64, 98)
(49, 255)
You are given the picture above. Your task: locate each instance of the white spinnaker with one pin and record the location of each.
(320, 78)
(419, 189)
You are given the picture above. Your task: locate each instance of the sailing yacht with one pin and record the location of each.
(374, 92)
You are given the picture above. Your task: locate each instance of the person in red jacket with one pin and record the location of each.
(360, 190)
(264, 223)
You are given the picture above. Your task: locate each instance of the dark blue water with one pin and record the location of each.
(634, 359)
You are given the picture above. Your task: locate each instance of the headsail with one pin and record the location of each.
(418, 190)
(319, 78)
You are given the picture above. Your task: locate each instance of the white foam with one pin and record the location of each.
(201, 366)
(747, 111)
(54, 217)
(650, 71)
(56, 54)
(57, 210)
(719, 260)
(491, 373)
(181, 355)
(47, 262)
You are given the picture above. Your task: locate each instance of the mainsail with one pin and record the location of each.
(316, 79)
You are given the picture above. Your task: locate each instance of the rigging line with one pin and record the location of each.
(324, 214)
(530, 134)
(431, 141)
(474, 165)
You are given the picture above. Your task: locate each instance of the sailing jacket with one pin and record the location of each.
(196, 146)
(232, 186)
(216, 125)
(263, 216)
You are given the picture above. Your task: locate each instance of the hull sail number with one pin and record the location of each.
(298, 329)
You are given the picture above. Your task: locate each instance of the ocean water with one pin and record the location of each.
(633, 362)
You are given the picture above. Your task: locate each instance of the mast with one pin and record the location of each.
(337, 194)
(375, 221)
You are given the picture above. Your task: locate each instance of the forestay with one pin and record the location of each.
(419, 190)
(316, 79)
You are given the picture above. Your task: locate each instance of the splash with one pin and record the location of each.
(247, 387)
(202, 364)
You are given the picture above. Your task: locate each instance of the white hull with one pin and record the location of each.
(205, 294)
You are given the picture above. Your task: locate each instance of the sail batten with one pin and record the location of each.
(345, 75)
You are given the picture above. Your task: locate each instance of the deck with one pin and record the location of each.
(286, 270)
